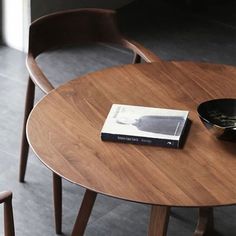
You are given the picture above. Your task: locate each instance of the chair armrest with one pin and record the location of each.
(37, 75)
(5, 196)
(143, 52)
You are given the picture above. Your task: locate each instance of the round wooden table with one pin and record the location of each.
(64, 132)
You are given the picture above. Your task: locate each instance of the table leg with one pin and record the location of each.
(205, 223)
(159, 220)
(84, 213)
(57, 196)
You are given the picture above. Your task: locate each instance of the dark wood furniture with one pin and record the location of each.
(55, 31)
(6, 199)
(64, 131)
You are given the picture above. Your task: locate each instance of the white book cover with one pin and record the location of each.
(143, 124)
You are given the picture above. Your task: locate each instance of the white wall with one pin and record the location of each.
(17, 15)
(16, 19)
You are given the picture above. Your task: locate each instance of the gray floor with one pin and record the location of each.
(200, 34)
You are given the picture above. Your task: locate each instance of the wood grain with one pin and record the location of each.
(64, 131)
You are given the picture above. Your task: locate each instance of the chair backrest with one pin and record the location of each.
(84, 25)
(6, 198)
(72, 27)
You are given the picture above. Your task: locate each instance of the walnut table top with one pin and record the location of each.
(64, 131)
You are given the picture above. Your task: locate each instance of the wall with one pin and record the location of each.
(17, 15)
(1, 21)
(15, 19)
(42, 7)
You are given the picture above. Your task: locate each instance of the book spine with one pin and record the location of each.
(140, 140)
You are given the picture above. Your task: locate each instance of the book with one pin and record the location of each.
(144, 125)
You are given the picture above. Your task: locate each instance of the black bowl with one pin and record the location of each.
(219, 116)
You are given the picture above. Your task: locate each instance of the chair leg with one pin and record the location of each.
(159, 219)
(205, 223)
(57, 195)
(84, 213)
(137, 59)
(29, 103)
(9, 229)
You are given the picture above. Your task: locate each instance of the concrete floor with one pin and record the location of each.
(206, 33)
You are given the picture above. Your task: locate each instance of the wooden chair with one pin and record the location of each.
(57, 30)
(6, 198)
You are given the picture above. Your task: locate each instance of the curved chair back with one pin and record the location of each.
(75, 27)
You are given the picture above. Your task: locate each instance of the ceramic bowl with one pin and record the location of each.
(219, 117)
